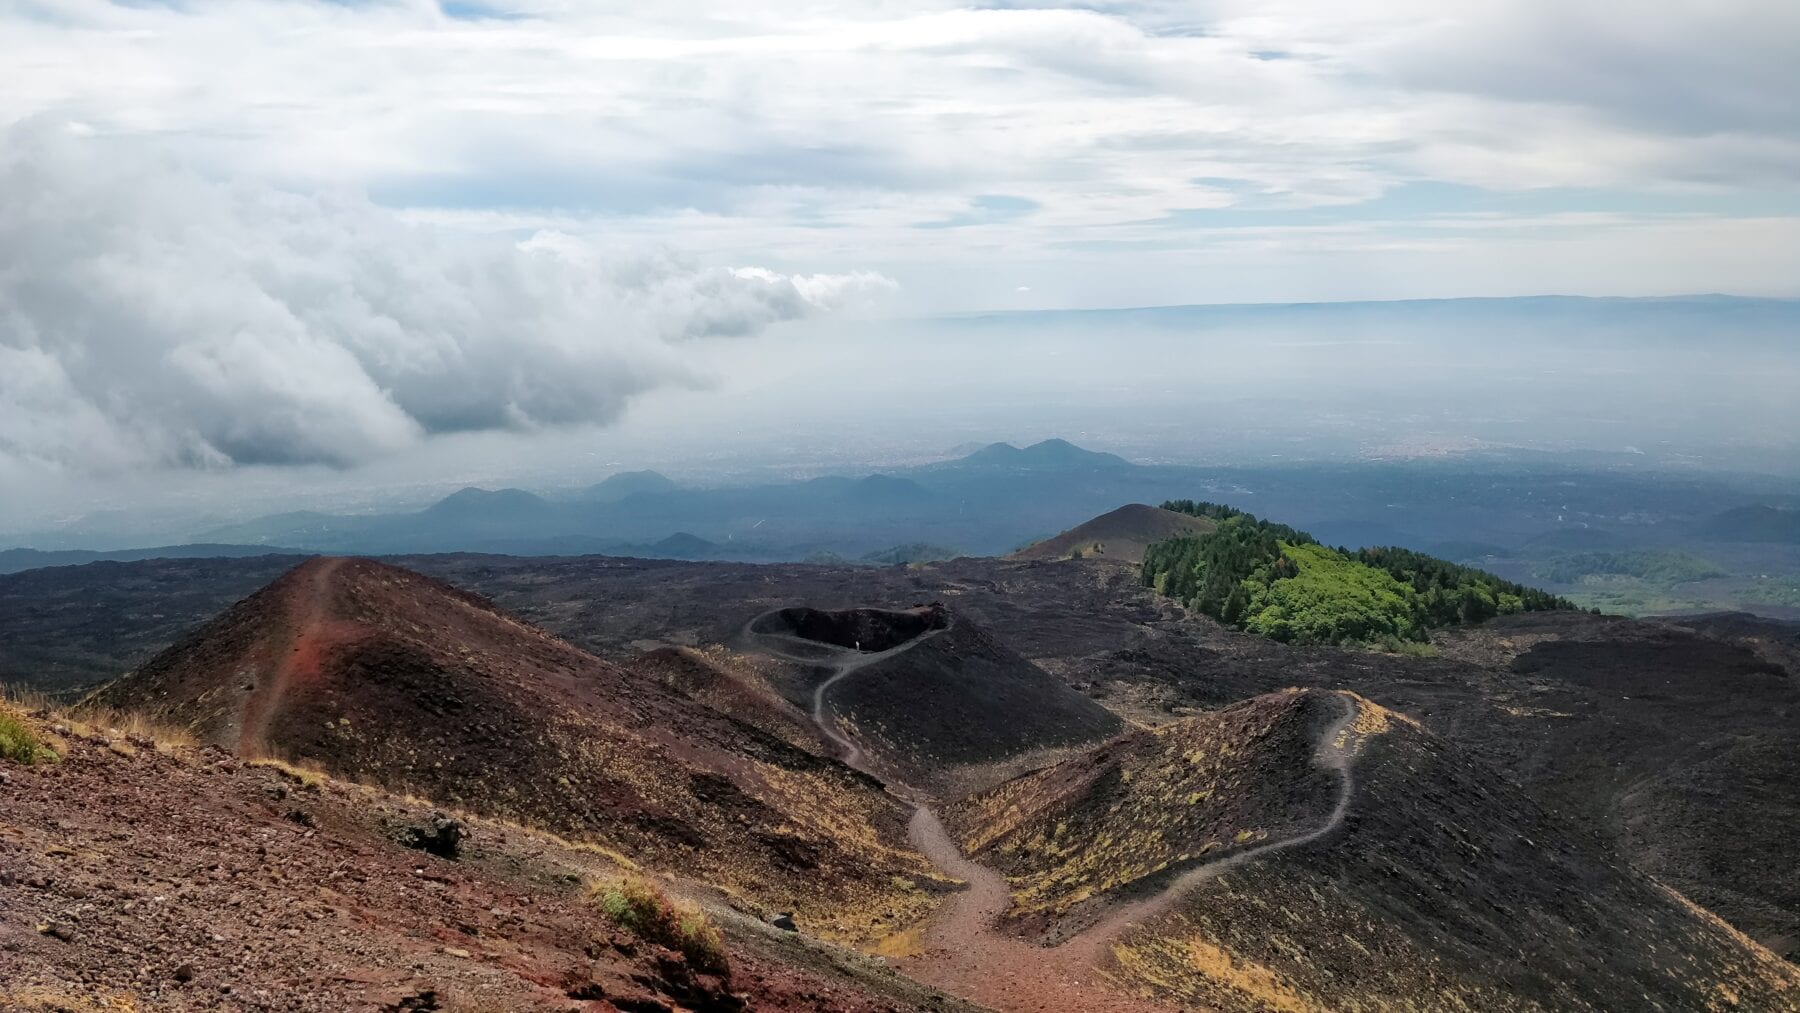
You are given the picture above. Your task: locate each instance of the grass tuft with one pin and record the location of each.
(644, 910)
(133, 727)
(306, 777)
(18, 742)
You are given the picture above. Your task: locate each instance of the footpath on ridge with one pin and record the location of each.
(962, 951)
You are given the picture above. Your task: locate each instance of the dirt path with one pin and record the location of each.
(966, 957)
(963, 953)
(844, 661)
(302, 659)
(1333, 752)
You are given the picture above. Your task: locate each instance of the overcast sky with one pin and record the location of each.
(257, 233)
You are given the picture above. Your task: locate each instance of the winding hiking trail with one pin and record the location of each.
(963, 953)
(1334, 752)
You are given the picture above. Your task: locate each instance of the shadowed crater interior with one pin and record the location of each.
(864, 628)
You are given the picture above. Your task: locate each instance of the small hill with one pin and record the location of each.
(911, 552)
(1436, 884)
(922, 691)
(370, 672)
(682, 545)
(1110, 824)
(1046, 455)
(472, 504)
(1282, 583)
(614, 488)
(1121, 534)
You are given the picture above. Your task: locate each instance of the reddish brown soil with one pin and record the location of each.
(194, 881)
(314, 632)
(964, 955)
(374, 673)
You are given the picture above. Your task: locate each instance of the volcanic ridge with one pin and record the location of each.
(369, 672)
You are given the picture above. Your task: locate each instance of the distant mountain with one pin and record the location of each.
(912, 552)
(682, 545)
(1121, 534)
(1055, 455)
(1754, 524)
(999, 497)
(505, 505)
(614, 488)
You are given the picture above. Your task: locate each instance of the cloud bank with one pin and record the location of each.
(1098, 153)
(151, 315)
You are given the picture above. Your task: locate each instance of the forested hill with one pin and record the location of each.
(1274, 580)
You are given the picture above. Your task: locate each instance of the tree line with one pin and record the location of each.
(1281, 582)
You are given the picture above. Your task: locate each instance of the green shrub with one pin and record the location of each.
(644, 910)
(18, 742)
(1274, 580)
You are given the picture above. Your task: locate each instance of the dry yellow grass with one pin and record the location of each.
(132, 726)
(50, 1000)
(307, 777)
(644, 909)
(908, 942)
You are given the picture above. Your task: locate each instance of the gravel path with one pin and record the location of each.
(963, 953)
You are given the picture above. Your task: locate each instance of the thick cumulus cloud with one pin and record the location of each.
(152, 315)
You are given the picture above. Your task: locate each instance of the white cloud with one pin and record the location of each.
(791, 135)
(153, 315)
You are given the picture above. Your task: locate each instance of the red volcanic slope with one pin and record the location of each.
(186, 881)
(372, 672)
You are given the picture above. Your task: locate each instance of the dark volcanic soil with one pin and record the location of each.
(1684, 756)
(1118, 823)
(857, 629)
(933, 696)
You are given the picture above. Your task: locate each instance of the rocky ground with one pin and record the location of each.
(139, 878)
(1668, 743)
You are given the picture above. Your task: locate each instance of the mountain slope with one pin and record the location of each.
(1078, 837)
(613, 488)
(1045, 455)
(372, 672)
(167, 877)
(1443, 886)
(1121, 534)
(923, 691)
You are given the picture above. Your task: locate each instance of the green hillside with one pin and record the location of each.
(1274, 580)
